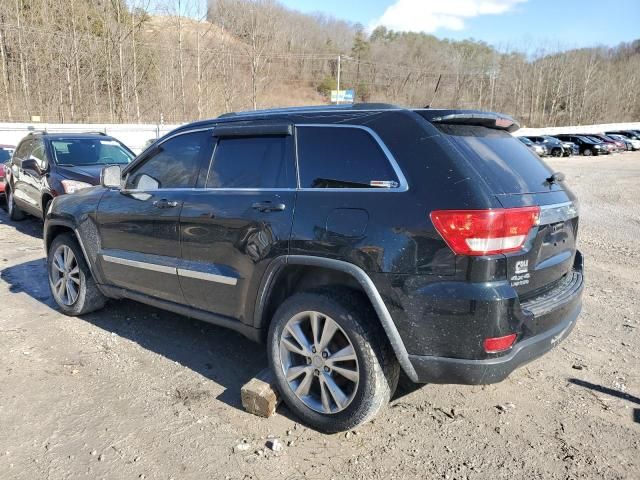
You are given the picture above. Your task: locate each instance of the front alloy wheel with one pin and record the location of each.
(65, 276)
(12, 209)
(72, 285)
(319, 362)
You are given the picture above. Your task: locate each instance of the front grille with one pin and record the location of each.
(552, 298)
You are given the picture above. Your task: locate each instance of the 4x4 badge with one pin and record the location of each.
(522, 266)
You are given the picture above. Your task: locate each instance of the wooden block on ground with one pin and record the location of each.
(259, 395)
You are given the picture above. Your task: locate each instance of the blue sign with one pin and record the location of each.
(349, 95)
(338, 96)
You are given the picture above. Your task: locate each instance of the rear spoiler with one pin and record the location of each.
(483, 119)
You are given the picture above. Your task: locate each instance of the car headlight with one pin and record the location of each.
(72, 186)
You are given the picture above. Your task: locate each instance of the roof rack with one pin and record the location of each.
(314, 108)
(47, 132)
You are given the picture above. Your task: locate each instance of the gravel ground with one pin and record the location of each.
(134, 392)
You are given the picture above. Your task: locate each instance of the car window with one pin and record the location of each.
(90, 151)
(174, 164)
(334, 157)
(38, 154)
(253, 162)
(4, 155)
(23, 150)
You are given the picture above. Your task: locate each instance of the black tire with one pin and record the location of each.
(13, 210)
(378, 368)
(587, 152)
(89, 298)
(556, 152)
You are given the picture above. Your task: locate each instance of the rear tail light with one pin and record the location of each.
(499, 344)
(485, 232)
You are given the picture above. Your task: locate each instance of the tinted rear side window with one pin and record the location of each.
(341, 157)
(253, 162)
(503, 161)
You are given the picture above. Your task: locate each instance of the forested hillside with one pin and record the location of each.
(180, 60)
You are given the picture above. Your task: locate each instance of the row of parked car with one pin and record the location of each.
(564, 145)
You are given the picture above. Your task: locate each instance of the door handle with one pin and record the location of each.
(268, 206)
(164, 203)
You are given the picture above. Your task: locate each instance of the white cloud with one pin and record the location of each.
(431, 15)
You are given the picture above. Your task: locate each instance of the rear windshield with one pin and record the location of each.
(4, 155)
(90, 151)
(504, 162)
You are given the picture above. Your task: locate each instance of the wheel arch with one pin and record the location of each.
(55, 228)
(307, 271)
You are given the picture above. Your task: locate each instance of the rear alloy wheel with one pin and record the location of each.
(331, 359)
(319, 362)
(70, 280)
(13, 210)
(587, 152)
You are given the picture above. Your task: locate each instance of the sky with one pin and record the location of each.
(510, 24)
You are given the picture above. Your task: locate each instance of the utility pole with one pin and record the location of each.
(338, 80)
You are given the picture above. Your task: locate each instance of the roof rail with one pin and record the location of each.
(314, 108)
(46, 132)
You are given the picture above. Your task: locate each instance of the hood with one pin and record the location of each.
(82, 173)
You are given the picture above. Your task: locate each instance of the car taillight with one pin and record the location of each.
(499, 344)
(485, 232)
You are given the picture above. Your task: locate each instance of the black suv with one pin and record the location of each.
(354, 241)
(47, 164)
(588, 146)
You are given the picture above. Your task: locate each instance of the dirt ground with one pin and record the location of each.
(134, 392)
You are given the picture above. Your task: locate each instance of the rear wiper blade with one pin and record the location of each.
(555, 177)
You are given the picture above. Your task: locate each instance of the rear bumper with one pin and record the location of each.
(549, 320)
(493, 370)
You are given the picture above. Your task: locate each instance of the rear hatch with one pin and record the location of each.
(518, 178)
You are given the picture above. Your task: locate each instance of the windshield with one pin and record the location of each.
(595, 139)
(90, 151)
(4, 155)
(525, 140)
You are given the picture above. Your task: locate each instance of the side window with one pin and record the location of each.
(334, 157)
(38, 154)
(175, 164)
(253, 162)
(23, 150)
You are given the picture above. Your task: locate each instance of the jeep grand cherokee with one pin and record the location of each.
(355, 241)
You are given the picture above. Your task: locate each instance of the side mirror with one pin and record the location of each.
(30, 164)
(111, 176)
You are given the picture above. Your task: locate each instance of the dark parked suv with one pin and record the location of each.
(47, 164)
(354, 241)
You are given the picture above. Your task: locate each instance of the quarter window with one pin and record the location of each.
(342, 157)
(253, 162)
(175, 163)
